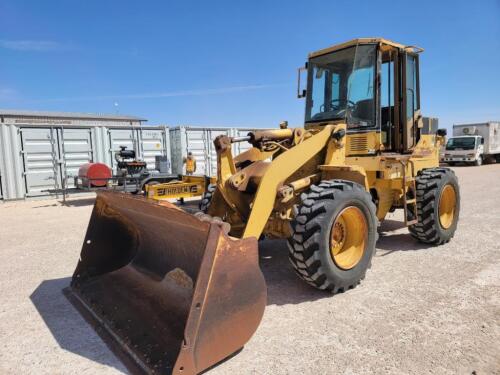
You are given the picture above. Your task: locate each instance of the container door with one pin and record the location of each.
(40, 160)
(76, 148)
(494, 138)
(177, 139)
(152, 143)
(196, 142)
(118, 138)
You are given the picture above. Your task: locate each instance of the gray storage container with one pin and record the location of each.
(199, 141)
(35, 158)
(162, 164)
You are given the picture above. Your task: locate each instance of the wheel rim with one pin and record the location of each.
(348, 237)
(447, 203)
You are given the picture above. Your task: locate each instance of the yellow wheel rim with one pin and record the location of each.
(348, 237)
(447, 203)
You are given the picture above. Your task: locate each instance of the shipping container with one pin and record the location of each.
(34, 159)
(199, 141)
(40, 154)
(154, 142)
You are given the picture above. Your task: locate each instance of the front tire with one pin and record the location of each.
(479, 161)
(334, 235)
(438, 206)
(207, 198)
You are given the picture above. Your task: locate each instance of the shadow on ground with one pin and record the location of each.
(75, 335)
(66, 325)
(78, 202)
(392, 242)
(88, 201)
(72, 333)
(283, 285)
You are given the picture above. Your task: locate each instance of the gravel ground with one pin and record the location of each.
(420, 309)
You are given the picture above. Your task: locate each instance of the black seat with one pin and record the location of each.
(364, 111)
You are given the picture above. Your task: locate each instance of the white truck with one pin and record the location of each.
(473, 144)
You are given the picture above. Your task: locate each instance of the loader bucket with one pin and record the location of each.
(175, 293)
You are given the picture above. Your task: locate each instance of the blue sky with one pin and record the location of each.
(233, 63)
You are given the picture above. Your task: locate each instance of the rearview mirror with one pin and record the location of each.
(301, 93)
(442, 132)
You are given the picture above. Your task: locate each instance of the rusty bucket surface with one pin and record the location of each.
(175, 293)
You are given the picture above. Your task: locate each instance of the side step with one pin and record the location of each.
(409, 183)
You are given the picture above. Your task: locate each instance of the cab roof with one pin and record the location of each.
(358, 41)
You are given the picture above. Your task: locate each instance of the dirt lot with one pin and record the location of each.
(420, 310)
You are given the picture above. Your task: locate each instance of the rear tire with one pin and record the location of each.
(312, 245)
(207, 198)
(438, 206)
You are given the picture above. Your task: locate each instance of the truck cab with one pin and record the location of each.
(464, 149)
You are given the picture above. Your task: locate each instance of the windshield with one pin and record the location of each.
(341, 86)
(465, 143)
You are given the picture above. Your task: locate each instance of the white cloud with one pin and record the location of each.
(32, 45)
(201, 92)
(7, 93)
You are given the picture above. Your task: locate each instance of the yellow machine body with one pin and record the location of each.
(308, 156)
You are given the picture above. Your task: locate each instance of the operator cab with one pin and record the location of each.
(372, 85)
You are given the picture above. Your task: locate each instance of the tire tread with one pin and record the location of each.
(426, 229)
(304, 246)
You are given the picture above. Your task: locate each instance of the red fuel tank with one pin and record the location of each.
(92, 172)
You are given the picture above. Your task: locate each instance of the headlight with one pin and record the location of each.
(447, 155)
(470, 155)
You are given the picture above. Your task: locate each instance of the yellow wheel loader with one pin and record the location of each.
(181, 292)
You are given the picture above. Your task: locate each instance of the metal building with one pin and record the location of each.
(13, 116)
(43, 150)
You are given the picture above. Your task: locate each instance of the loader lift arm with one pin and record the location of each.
(280, 169)
(285, 162)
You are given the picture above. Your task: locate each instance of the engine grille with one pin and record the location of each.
(358, 144)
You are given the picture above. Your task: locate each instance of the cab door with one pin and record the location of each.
(410, 108)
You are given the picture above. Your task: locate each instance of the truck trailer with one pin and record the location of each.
(473, 144)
